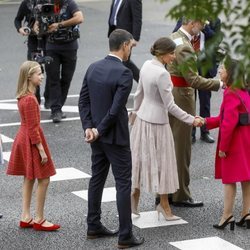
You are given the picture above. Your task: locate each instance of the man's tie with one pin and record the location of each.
(196, 42)
(114, 9)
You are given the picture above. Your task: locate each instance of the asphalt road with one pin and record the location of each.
(71, 153)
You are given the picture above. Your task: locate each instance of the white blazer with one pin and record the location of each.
(153, 98)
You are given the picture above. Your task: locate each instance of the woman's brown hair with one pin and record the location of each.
(162, 46)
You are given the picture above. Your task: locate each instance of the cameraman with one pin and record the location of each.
(24, 22)
(62, 46)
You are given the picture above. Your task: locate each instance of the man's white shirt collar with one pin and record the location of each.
(110, 54)
(186, 33)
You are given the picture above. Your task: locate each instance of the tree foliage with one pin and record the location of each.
(235, 26)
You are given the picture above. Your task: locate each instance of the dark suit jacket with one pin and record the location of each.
(129, 17)
(103, 97)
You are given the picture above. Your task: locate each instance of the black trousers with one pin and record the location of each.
(135, 71)
(204, 99)
(120, 159)
(59, 75)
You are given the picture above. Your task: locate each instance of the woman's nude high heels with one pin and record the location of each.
(160, 210)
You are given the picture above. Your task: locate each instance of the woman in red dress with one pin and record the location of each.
(232, 161)
(30, 156)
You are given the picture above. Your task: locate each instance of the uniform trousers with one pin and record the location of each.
(184, 98)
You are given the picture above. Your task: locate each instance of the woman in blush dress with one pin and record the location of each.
(154, 166)
(232, 160)
(30, 156)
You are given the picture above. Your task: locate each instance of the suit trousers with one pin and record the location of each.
(59, 75)
(204, 99)
(119, 157)
(184, 98)
(135, 71)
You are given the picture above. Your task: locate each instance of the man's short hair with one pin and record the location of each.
(186, 20)
(117, 38)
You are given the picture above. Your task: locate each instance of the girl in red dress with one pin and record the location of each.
(30, 156)
(232, 161)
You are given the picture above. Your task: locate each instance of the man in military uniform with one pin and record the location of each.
(185, 78)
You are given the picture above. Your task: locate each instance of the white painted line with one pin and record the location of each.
(63, 174)
(11, 106)
(70, 109)
(6, 156)
(109, 194)
(8, 106)
(8, 100)
(6, 139)
(42, 121)
(210, 243)
(150, 219)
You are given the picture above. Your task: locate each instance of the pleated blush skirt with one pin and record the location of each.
(153, 158)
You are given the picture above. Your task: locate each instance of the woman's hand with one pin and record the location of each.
(222, 154)
(198, 121)
(44, 157)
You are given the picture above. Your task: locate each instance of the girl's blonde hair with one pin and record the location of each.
(27, 69)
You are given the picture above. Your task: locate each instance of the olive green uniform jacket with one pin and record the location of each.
(185, 65)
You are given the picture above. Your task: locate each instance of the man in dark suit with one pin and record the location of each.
(127, 15)
(102, 107)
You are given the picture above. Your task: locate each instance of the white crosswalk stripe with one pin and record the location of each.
(6, 139)
(63, 174)
(109, 194)
(211, 243)
(150, 219)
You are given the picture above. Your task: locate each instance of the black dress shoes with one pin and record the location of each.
(101, 232)
(57, 116)
(131, 242)
(188, 203)
(207, 138)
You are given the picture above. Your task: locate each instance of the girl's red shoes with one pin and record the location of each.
(28, 224)
(40, 227)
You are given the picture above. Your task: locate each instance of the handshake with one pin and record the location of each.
(198, 121)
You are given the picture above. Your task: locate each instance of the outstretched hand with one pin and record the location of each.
(198, 121)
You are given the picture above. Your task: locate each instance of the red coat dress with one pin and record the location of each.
(233, 139)
(25, 158)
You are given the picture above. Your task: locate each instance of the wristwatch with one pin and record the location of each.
(60, 25)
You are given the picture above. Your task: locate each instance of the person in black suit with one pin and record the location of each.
(102, 107)
(127, 15)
